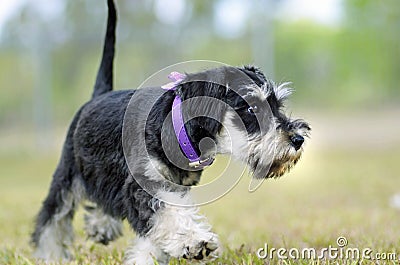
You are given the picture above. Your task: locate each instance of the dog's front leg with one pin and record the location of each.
(145, 252)
(181, 232)
(176, 231)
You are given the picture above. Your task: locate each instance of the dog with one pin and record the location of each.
(139, 165)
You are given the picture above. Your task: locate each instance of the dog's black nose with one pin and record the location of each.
(297, 141)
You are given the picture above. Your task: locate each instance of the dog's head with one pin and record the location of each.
(243, 112)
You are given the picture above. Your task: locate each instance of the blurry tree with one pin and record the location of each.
(377, 24)
(354, 64)
(37, 29)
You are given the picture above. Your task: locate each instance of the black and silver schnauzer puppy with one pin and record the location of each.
(95, 166)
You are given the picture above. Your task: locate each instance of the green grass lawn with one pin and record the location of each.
(331, 193)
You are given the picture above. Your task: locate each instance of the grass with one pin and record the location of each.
(331, 193)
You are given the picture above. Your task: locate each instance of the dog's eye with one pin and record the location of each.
(253, 109)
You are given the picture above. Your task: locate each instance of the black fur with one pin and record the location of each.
(104, 79)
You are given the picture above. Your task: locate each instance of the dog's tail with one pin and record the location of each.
(104, 79)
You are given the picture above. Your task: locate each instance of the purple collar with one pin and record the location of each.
(179, 126)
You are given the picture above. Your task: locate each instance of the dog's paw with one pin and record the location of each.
(202, 251)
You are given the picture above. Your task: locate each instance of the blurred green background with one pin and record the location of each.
(343, 57)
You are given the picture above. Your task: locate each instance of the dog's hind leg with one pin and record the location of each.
(101, 227)
(53, 231)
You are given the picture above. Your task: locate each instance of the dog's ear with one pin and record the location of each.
(203, 105)
(205, 99)
(207, 93)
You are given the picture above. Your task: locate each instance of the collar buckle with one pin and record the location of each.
(201, 163)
